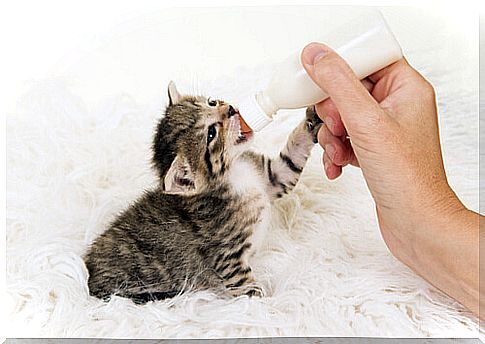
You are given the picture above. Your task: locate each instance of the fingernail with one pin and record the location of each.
(330, 150)
(312, 53)
(328, 122)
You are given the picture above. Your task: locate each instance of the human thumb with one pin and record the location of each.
(358, 109)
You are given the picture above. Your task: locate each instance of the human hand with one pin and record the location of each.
(388, 125)
(392, 127)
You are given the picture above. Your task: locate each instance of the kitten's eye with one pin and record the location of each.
(211, 133)
(212, 102)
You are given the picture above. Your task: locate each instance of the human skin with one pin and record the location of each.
(388, 126)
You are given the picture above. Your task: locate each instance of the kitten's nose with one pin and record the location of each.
(231, 111)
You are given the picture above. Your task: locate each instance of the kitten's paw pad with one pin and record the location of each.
(313, 122)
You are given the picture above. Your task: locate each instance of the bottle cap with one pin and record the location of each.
(253, 114)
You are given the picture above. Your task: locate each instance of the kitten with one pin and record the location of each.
(209, 213)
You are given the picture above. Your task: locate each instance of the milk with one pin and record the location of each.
(366, 44)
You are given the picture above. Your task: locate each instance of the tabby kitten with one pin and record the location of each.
(209, 213)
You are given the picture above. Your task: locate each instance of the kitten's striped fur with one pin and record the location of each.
(199, 227)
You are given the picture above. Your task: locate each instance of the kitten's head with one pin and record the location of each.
(196, 141)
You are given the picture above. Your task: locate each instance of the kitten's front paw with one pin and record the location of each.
(250, 290)
(255, 290)
(313, 122)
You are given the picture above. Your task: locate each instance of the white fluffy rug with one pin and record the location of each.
(72, 165)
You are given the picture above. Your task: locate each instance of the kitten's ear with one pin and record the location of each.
(179, 178)
(173, 94)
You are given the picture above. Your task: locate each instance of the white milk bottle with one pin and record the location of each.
(366, 44)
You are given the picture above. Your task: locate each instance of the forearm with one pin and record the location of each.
(448, 256)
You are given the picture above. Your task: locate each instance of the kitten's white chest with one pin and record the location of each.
(248, 182)
(245, 178)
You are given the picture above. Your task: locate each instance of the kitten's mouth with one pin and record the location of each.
(245, 132)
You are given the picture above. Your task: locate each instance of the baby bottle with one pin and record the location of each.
(366, 44)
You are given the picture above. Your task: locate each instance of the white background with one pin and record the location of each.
(46, 38)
